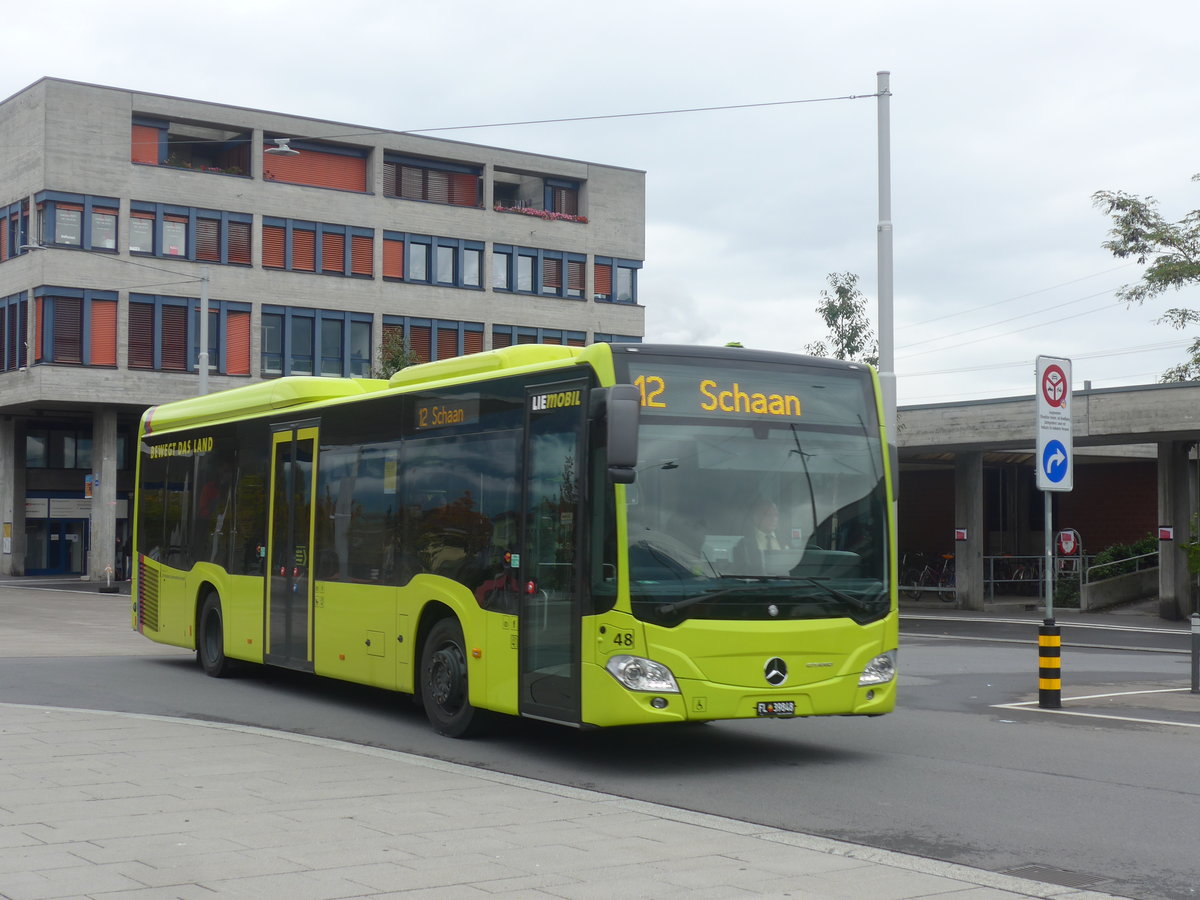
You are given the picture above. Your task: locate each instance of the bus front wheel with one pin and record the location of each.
(444, 682)
(210, 639)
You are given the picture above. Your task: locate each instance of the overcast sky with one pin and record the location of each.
(1006, 118)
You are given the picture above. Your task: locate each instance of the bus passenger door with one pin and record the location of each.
(555, 420)
(289, 546)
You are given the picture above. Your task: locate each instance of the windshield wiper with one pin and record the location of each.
(768, 583)
(668, 608)
(849, 599)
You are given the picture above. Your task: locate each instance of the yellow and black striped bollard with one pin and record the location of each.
(1050, 665)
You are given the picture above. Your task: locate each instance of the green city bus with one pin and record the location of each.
(593, 536)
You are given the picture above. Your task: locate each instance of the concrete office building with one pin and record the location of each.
(122, 213)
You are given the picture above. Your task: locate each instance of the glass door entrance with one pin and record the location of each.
(56, 546)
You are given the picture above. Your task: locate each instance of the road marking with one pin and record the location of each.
(1182, 630)
(1032, 705)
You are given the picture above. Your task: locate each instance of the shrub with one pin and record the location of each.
(1120, 557)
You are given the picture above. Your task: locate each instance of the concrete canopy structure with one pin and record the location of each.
(1119, 433)
(123, 213)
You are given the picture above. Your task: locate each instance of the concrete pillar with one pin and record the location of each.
(12, 496)
(1176, 586)
(8, 463)
(968, 514)
(102, 560)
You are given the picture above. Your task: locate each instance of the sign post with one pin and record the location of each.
(1055, 459)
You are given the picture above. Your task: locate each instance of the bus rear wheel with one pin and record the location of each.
(210, 639)
(444, 690)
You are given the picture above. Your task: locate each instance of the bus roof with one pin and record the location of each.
(302, 390)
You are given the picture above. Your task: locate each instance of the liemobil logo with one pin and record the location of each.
(558, 400)
(775, 671)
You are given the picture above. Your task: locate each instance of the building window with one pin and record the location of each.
(77, 220)
(526, 270)
(74, 326)
(432, 181)
(297, 246)
(433, 339)
(616, 280)
(200, 235)
(424, 259)
(502, 269)
(13, 316)
(562, 196)
(188, 145)
(164, 334)
(543, 196)
(58, 448)
(602, 338)
(14, 226)
(299, 341)
(509, 335)
(317, 165)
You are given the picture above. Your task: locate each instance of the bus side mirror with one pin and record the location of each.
(623, 407)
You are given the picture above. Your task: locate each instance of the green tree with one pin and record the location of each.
(844, 310)
(1170, 251)
(394, 354)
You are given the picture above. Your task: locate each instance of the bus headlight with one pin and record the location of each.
(640, 674)
(880, 670)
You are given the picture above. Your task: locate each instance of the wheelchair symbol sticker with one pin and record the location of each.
(1054, 461)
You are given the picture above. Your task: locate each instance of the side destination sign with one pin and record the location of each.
(444, 413)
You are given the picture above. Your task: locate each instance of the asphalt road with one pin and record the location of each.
(954, 774)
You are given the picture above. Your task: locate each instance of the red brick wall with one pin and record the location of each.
(1112, 503)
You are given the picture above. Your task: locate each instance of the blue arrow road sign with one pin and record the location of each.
(1055, 461)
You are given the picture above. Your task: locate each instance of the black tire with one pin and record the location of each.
(210, 639)
(444, 683)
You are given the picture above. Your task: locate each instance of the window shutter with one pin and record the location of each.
(319, 169)
(447, 343)
(472, 342)
(174, 339)
(412, 183)
(141, 335)
(526, 338)
(501, 339)
(603, 279)
(304, 250)
(145, 145)
(575, 342)
(238, 252)
(273, 238)
(37, 330)
(464, 189)
(362, 255)
(551, 339)
(333, 253)
(420, 342)
(393, 258)
(389, 179)
(208, 240)
(575, 274)
(552, 274)
(237, 343)
(565, 200)
(103, 351)
(68, 330)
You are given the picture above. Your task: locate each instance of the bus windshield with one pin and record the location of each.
(759, 494)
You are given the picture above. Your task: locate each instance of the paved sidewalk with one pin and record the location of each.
(129, 807)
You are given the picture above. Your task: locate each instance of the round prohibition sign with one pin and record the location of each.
(1054, 385)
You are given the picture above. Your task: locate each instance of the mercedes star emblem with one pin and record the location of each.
(775, 671)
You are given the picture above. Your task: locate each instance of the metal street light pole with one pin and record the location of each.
(202, 356)
(887, 363)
